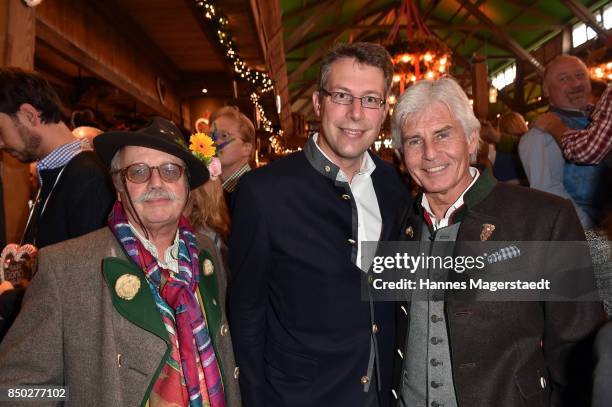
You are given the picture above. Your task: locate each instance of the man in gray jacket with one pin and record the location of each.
(131, 314)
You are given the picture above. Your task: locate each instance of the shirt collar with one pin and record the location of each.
(170, 260)
(438, 223)
(230, 184)
(572, 112)
(322, 163)
(59, 157)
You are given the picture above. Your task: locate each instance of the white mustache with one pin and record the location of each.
(156, 193)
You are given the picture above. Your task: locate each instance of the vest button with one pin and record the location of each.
(374, 328)
(346, 197)
(435, 362)
(224, 330)
(365, 380)
(435, 384)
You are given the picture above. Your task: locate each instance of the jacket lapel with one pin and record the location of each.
(209, 292)
(141, 309)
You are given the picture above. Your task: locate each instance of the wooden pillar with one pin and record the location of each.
(480, 86)
(17, 25)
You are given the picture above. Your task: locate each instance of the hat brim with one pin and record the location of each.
(107, 144)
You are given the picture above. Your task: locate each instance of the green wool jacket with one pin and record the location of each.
(74, 329)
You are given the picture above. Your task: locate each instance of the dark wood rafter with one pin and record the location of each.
(297, 94)
(531, 9)
(78, 56)
(311, 22)
(432, 6)
(338, 30)
(515, 47)
(465, 27)
(209, 34)
(315, 56)
(301, 11)
(267, 19)
(585, 15)
(111, 10)
(360, 37)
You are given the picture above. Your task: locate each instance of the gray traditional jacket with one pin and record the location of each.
(74, 330)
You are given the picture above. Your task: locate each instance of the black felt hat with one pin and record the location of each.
(160, 134)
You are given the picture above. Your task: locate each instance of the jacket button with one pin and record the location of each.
(542, 382)
(224, 330)
(119, 359)
(352, 241)
(365, 380)
(214, 301)
(374, 328)
(346, 197)
(435, 318)
(435, 384)
(435, 362)
(435, 341)
(327, 168)
(236, 372)
(370, 279)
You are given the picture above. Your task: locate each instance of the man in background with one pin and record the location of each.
(235, 138)
(567, 84)
(75, 194)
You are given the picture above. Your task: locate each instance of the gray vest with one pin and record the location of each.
(427, 372)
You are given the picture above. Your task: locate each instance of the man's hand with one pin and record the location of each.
(550, 123)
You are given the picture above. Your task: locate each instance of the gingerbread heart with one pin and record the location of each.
(16, 263)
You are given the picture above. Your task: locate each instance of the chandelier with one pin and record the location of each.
(420, 55)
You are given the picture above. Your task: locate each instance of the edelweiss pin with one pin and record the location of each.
(209, 269)
(127, 286)
(486, 232)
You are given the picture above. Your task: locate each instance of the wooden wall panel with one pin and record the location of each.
(77, 31)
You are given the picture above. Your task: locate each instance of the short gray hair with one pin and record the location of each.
(115, 166)
(423, 94)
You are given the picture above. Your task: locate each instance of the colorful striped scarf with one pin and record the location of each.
(190, 376)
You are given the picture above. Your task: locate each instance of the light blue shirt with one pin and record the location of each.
(544, 165)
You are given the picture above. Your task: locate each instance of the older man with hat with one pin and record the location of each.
(131, 314)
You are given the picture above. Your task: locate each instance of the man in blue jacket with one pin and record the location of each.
(303, 334)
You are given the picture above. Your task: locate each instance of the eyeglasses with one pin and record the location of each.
(343, 98)
(140, 173)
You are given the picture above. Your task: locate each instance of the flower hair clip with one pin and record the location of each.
(203, 147)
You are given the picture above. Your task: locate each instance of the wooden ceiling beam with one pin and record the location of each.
(466, 27)
(514, 46)
(338, 30)
(585, 15)
(298, 33)
(530, 8)
(79, 57)
(463, 19)
(111, 11)
(300, 11)
(209, 34)
(315, 56)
